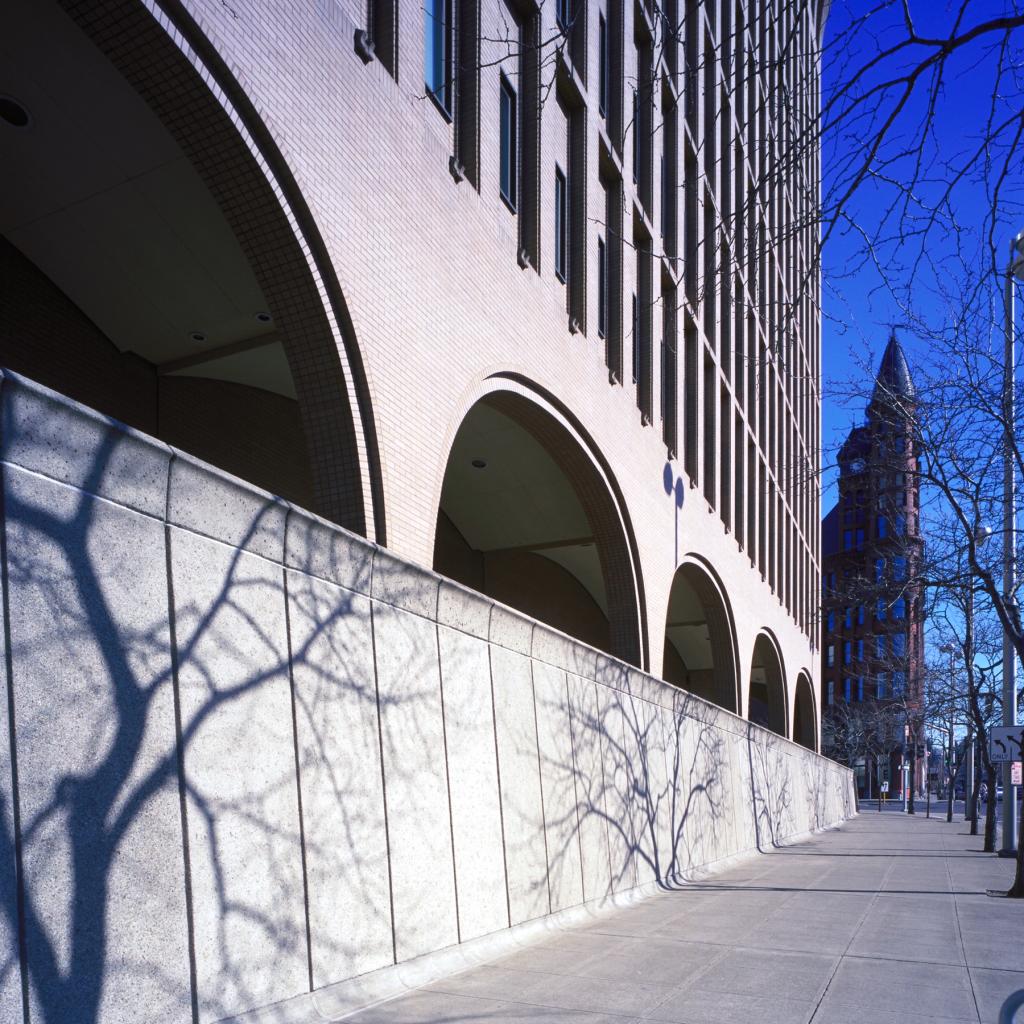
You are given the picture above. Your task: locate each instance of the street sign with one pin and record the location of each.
(1006, 743)
(885, 787)
(1015, 773)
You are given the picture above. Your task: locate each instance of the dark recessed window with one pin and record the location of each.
(561, 218)
(602, 288)
(664, 198)
(636, 133)
(437, 51)
(509, 142)
(602, 66)
(636, 341)
(563, 12)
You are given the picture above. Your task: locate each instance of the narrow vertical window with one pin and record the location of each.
(561, 210)
(509, 143)
(602, 66)
(382, 21)
(437, 51)
(602, 288)
(636, 341)
(663, 222)
(563, 12)
(636, 133)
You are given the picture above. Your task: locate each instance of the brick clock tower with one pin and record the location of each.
(872, 611)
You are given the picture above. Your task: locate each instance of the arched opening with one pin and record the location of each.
(527, 517)
(150, 269)
(805, 717)
(766, 701)
(699, 647)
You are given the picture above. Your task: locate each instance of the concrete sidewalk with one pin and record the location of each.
(883, 921)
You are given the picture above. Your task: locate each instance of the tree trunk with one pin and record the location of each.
(911, 776)
(1017, 889)
(950, 780)
(974, 802)
(990, 810)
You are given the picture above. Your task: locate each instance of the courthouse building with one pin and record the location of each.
(873, 628)
(524, 293)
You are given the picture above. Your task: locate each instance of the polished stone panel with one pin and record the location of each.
(239, 756)
(98, 783)
(473, 778)
(559, 785)
(415, 780)
(521, 801)
(341, 782)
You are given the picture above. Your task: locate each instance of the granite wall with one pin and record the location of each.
(248, 755)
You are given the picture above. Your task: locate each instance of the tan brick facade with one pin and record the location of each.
(403, 298)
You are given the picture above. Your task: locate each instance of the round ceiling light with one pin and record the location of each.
(264, 318)
(479, 464)
(14, 113)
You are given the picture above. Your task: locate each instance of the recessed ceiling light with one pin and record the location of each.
(264, 318)
(479, 464)
(197, 336)
(14, 113)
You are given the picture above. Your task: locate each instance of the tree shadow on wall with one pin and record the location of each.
(142, 661)
(649, 786)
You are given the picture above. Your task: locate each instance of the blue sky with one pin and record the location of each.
(858, 305)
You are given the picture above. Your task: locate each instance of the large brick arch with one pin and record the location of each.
(805, 713)
(564, 439)
(768, 655)
(174, 67)
(698, 574)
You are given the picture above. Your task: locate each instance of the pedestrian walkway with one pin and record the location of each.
(882, 921)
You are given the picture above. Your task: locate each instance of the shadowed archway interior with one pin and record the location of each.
(150, 271)
(804, 715)
(699, 652)
(767, 697)
(526, 518)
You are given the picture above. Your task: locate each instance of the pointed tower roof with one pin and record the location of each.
(894, 382)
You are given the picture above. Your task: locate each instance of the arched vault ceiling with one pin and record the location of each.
(520, 500)
(103, 200)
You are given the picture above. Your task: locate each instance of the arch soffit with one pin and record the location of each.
(803, 682)
(775, 647)
(690, 562)
(183, 61)
(514, 386)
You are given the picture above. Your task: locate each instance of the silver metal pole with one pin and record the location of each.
(1009, 841)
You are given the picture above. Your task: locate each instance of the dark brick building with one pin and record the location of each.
(872, 613)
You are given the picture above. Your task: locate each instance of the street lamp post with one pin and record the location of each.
(951, 650)
(1014, 270)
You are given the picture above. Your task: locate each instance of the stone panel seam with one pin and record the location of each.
(575, 789)
(447, 771)
(19, 866)
(180, 752)
(497, 766)
(383, 776)
(295, 745)
(540, 782)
